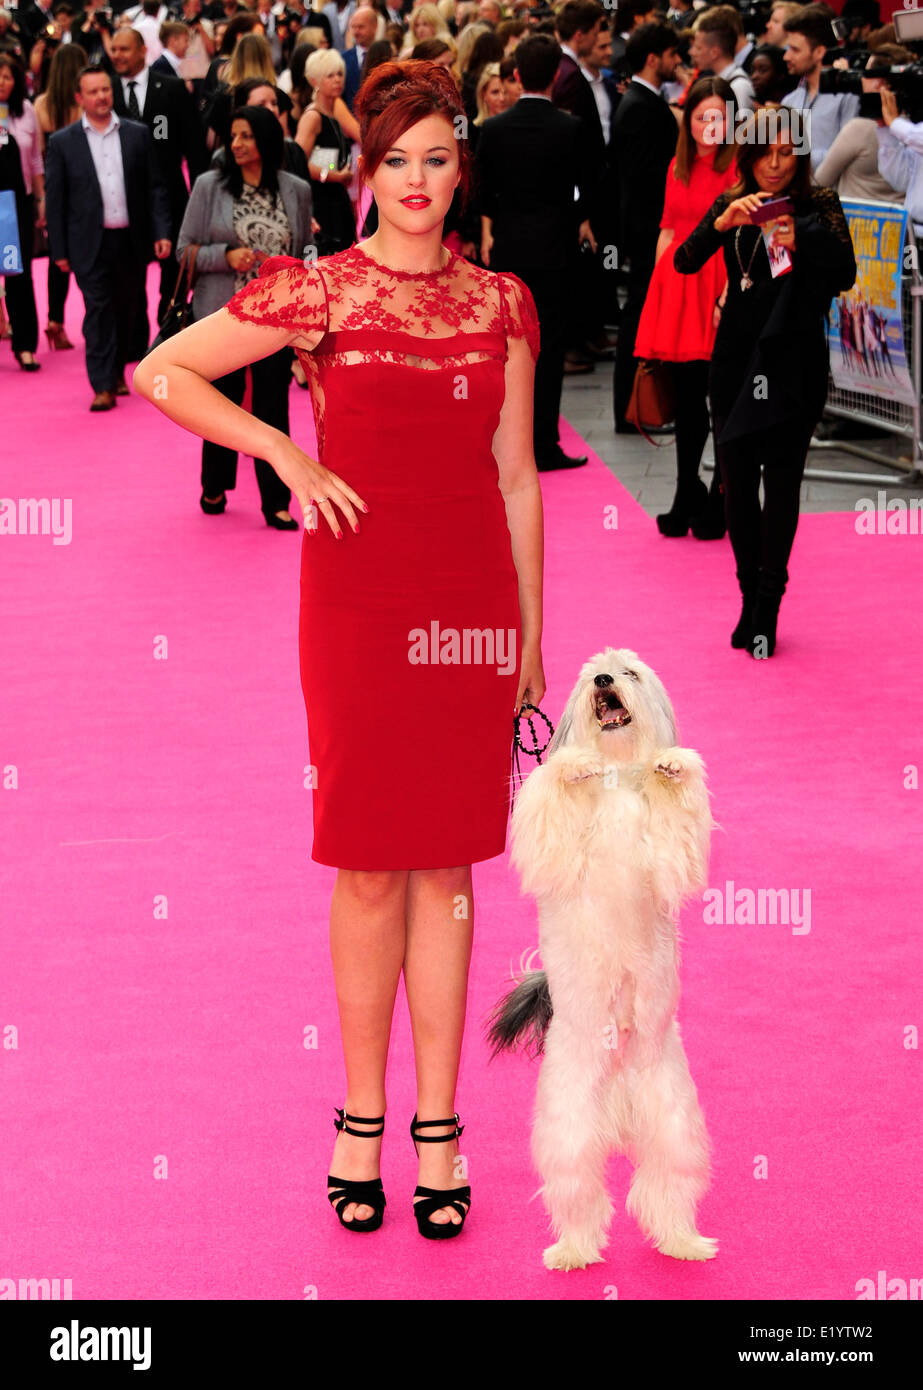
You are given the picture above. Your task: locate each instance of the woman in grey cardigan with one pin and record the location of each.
(238, 217)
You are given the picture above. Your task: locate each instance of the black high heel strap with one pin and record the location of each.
(341, 1123)
(416, 1124)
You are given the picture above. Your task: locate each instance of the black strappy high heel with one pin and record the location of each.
(369, 1193)
(434, 1197)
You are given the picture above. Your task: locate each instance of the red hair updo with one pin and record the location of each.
(394, 97)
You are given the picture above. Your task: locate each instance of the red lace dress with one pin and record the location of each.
(677, 321)
(410, 630)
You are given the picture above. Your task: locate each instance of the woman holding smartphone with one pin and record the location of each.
(769, 367)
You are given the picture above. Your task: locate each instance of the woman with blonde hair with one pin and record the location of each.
(425, 23)
(250, 58)
(466, 41)
(327, 150)
(490, 95)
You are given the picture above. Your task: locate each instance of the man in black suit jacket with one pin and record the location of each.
(644, 133)
(166, 107)
(107, 208)
(529, 159)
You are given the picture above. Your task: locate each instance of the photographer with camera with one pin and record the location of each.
(92, 29)
(851, 165)
(808, 35)
(900, 145)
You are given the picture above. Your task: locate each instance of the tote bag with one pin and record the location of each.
(10, 249)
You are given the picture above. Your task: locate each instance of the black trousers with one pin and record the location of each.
(550, 290)
(58, 285)
(111, 291)
(20, 292)
(690, 389)
(762, 537)
(271, 380)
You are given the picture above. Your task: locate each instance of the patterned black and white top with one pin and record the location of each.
(261, 224)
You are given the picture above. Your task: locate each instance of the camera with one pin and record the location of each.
(906, 81)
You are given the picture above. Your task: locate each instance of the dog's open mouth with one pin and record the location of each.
(610, 712)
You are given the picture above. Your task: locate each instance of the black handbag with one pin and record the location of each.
(179, 313)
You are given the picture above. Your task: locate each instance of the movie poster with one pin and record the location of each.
(866, 333)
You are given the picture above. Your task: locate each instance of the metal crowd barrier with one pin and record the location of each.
(872, 409)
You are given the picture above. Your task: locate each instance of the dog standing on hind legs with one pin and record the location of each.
(611, 834)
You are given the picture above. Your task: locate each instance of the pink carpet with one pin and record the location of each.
(164, 943)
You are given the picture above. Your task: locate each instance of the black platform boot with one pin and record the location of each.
(769, 593)
(740, 637)
(690, 498)
(709, 524)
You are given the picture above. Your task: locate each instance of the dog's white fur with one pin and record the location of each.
(610, 834)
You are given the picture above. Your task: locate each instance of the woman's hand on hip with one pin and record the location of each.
(314, 485)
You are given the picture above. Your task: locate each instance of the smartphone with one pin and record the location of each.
(772, 208)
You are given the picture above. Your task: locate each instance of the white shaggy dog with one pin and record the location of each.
(610, 834)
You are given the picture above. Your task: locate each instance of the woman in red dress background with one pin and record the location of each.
(679, 317)
(420, 634)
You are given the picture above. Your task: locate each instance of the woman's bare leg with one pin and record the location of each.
(367, 944)
(440, 922)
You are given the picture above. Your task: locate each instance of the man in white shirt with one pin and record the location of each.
(106, 207)
(147, 21)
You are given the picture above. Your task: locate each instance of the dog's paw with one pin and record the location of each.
(675, 764)
(578, 766)
(688, 1246)
(565, 1255)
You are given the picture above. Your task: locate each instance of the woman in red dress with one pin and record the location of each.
(420, 630)
(679, 317)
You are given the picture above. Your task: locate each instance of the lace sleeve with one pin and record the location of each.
(285, 294)
(823, 241)
(519, 313)
(701, 243)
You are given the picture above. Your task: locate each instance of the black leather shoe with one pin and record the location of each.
(560, 460)
(279, 523)
(213, 508)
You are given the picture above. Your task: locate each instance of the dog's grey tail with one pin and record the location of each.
(522, 1017)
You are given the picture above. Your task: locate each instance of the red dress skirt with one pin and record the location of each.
(410, 630)
(677, 321)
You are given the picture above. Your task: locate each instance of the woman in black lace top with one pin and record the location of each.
(769, 367)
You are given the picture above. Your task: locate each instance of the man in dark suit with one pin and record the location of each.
(644, 133)
(363, 25)
(166, 107)
(528, 160)
(578, 24)
(106, 209)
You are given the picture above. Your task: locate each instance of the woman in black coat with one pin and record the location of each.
(769, 368)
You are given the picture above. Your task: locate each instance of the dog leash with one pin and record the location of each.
(534, 751)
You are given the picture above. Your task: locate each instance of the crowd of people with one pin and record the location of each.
(617, 166)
